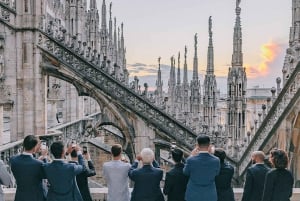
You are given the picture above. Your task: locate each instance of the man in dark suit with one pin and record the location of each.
(255, 178)
(28, 172)
(202, 168)
(61, 174)
(223, 180)
(82, 178)
(146, 179)
(176, 181)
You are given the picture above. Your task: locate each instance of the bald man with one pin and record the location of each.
(255, 178)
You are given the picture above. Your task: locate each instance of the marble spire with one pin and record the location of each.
(195, 66)
(185, 74)
(237, 56)
(178, 70)
(159, 85)
(110, 23)
(103, 19)
(93, 4)
(210, 51)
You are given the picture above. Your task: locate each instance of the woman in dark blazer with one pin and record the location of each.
(279, 181)
(223, 180)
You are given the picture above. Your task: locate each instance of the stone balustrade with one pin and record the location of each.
(100, 194)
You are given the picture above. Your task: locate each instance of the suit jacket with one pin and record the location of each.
(5, 179)
(278, 185)
(202, 170)
(28, 173)
(175, 183)
(255, 180)
(82, 181)
(146, 183)
(223, 183)
(115, 173)
(61, 177)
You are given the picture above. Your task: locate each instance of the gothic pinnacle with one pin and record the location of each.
(210, 51)
(178, 70)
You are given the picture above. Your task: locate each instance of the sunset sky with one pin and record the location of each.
(161, 28)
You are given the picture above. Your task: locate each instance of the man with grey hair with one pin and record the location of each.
(146, 179)
(255, 177)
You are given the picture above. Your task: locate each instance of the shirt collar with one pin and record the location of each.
(27, 154)
(59, 159)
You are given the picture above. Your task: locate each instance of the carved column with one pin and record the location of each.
(1, 124)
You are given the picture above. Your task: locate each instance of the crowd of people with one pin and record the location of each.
(203, 176)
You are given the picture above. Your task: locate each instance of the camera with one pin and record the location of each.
(84, 150)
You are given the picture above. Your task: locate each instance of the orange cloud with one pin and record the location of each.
(269, 53)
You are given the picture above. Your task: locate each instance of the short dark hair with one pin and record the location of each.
(177, 155)
(74, 153)
(279, 158)
(116, 150)
(203, 141)
(57, 149)
(29, 142)
(221, 154)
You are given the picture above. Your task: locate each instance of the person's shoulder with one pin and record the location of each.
(158, 170)
(191, 158)
(108, 163)
(15, 157)
(228, 166)
(214, 157)
(173, 171)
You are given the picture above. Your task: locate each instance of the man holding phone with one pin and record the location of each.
(115, 173)
(82, 178)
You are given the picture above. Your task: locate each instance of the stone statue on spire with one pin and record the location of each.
(159, 58)
(185, 51)
(178, 58)
(238, 3)
(110, 8)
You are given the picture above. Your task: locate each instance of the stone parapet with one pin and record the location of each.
(100, 194)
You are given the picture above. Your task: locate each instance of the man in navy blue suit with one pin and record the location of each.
(61, 174)
(201, 168)
(28, 172)
(146, 179)
(255, 178)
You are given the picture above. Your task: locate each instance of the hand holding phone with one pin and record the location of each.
(84, 150)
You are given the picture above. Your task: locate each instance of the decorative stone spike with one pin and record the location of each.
(83, 49)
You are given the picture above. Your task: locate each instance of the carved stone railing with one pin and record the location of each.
(73, 130)
(7, 11)
(279, 110)
(86, 65)
(100, 194)
(76, 130)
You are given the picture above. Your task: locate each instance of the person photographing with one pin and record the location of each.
(82, 178)
(61, 174)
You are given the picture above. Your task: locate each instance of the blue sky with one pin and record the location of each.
(156, 28)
